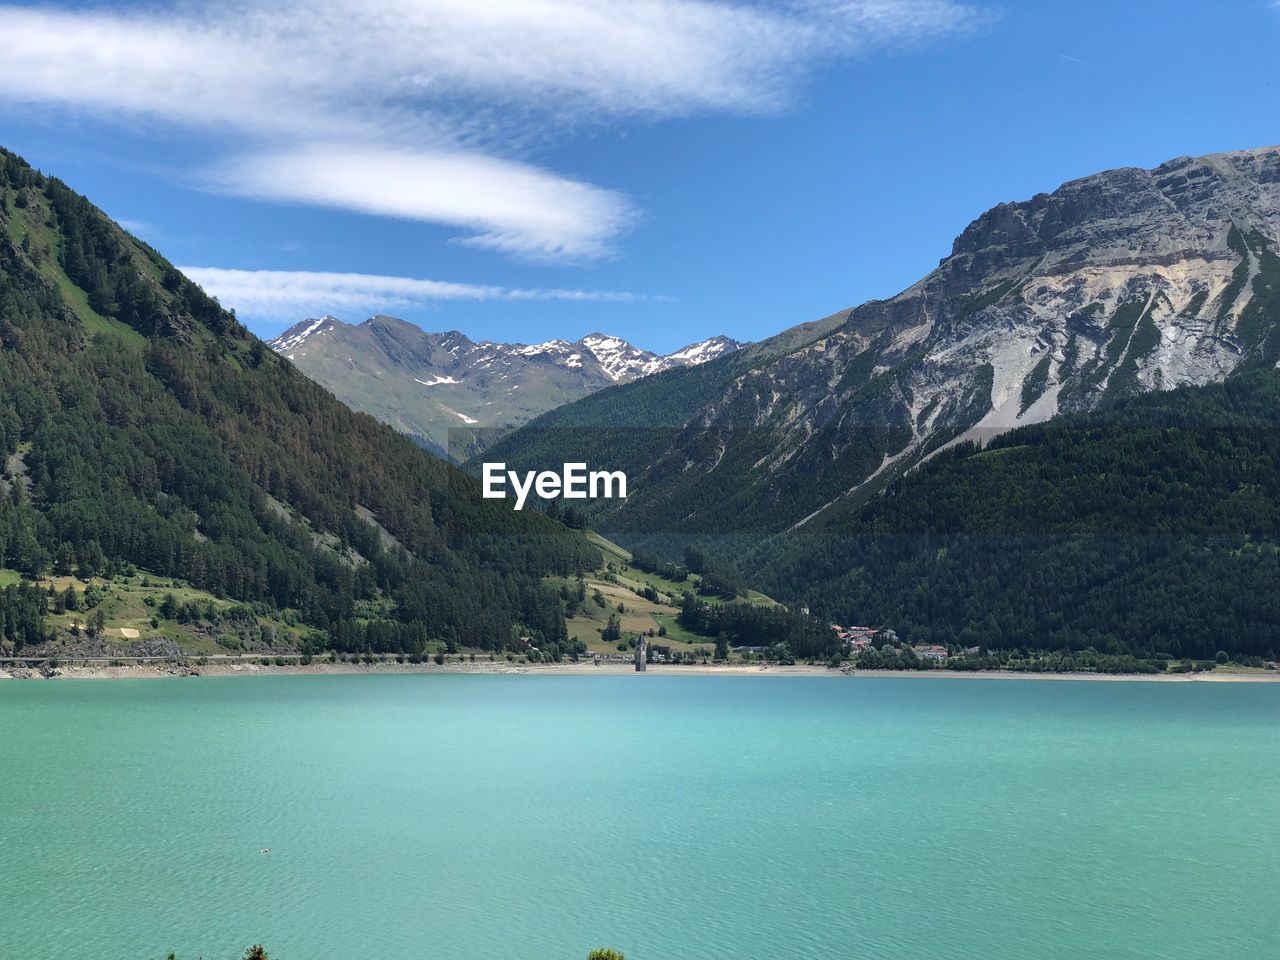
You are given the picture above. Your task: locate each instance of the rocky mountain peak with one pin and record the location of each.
(428, 384)
(1149, 211)
(1113, 284)
(299, 334)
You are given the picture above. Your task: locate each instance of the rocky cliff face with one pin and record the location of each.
(1126, 281)
(427, 384)
(1122, 282)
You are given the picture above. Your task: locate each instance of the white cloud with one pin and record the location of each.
(507, 206)
(430, 85)
(290, 294)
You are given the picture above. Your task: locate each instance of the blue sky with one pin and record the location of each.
(664, 170)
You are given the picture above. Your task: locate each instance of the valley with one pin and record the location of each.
(174, 488)
(662, 480)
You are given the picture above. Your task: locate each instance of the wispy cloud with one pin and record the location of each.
(426, 89)
(290, 294)
(504, 205)
(139, 228)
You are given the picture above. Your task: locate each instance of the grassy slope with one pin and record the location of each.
(620, 582)
(126, 607)
(31, 225)
(395, 395)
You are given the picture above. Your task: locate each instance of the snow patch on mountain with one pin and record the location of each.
(538, 349)
(293, 338)
(385, 366)
(702, 352)
(622, 361)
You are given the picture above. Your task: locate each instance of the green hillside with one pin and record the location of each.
(688, 614)
(142, 427)
(1150, 528)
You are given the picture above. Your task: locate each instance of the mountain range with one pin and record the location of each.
(1113, 285)
(452, 394)
(1062, 438)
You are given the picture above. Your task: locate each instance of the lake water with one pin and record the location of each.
(531, 818)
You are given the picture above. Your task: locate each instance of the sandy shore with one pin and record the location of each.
(584, 668)
(1215, 677)
(140, 671)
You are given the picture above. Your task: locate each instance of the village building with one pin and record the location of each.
(854, 639)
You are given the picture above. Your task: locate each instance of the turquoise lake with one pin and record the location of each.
(707, 818)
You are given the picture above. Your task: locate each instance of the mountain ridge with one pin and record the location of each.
(387, 367)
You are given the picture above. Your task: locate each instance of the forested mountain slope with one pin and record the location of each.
(141, 424)
(1114, 285)
(1152, 527)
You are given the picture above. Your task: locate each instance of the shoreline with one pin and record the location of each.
(177, 668)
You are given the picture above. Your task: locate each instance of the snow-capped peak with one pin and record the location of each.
(438, 381)
(704, 350)
(293, 338)
(621, 361)
(607, 344)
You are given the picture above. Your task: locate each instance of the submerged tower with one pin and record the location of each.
(642, 650)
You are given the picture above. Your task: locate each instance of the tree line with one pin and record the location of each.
(793, 633)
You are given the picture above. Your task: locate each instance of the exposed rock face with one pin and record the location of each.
(426, 384)
(1126, 281)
